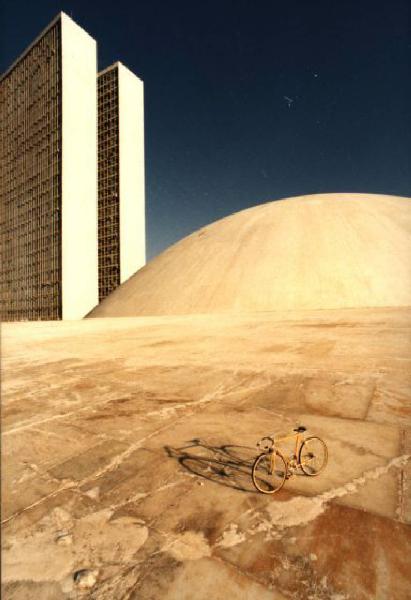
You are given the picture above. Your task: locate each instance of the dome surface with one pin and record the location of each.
(322, 251)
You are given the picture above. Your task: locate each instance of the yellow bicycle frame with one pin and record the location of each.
(297, 436)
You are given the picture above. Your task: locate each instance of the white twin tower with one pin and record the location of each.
(72, 193)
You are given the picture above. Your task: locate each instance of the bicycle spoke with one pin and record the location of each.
(313, 456)
(269, 473)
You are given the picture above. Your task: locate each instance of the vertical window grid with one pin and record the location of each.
(30, 184)
(108, 183)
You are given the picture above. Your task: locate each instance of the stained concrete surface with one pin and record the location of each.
(128, 443)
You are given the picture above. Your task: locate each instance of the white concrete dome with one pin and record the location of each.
(322, 251)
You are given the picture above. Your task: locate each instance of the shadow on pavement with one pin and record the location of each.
(227, 465)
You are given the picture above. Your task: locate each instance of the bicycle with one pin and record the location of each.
(271, 468)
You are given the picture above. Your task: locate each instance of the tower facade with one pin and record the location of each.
(48, 184)
(121, 185)
(72, 190)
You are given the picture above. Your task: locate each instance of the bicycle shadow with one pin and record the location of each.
(229, 465)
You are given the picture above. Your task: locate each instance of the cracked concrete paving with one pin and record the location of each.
(128, 445)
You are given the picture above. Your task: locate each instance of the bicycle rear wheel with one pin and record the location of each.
(269, 472)
(313, 456)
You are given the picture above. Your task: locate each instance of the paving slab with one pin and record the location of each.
(128, 445)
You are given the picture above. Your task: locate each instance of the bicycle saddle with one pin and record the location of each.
(300, 429)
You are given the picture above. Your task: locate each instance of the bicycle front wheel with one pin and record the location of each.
(313, 456)
(269, 472)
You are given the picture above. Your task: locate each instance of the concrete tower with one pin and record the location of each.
(48, 188)
(121, 195)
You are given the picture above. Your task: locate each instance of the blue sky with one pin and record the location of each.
(250, 101)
